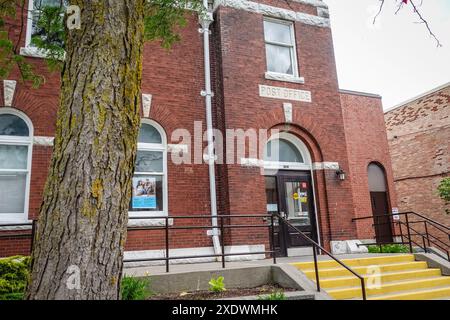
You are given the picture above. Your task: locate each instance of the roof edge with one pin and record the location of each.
(359, 93)
(427, 93)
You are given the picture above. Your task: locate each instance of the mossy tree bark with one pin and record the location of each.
(83, 218)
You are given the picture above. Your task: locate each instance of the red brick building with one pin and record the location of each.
(419, 142)
(273, 71)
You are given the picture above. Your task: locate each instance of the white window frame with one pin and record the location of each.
(159, 148)
(301, 147)
(29, 50)
(293, 48)
(19, 141)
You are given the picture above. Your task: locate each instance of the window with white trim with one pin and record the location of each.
(281, 54)
(36, 26)
(15, 166)
(149, 192)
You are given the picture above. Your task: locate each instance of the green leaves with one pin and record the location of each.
(217, 285)
(444, 191)
(14, 273)
(163, 18)
(49, 35)
(10, 57)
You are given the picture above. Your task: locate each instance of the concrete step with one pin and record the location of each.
(346, 281)
(391, 288)
(365, 261)
(440, 293)
(383, 268)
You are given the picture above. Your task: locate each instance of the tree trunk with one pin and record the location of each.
(81, 231)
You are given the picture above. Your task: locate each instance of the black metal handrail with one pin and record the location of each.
(427, 237)
(317, 247)
(221, 227)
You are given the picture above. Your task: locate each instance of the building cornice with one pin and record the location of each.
(275, 12)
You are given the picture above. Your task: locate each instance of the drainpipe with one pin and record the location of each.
(205, 20)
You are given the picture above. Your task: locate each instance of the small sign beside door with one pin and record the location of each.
(395, 214)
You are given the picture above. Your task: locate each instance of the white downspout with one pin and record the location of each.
(205, 20)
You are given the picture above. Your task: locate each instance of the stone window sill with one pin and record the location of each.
(284, 77)
(4, 225)
(138, 223)
(33, 52)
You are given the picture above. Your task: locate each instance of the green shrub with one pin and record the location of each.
(444, 192)
(135, 288)
(14, 274)
(389, 248)
(279, 295)
(217, 285)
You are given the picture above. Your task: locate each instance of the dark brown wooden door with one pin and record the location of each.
(383, 225)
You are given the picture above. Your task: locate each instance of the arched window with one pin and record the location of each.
(377, 178)
(16, 134)
(285, 151)
(150, 177)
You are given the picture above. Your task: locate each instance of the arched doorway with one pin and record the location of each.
(380, 204)
(290, 190)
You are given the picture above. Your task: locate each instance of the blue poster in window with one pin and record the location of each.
(144, 193)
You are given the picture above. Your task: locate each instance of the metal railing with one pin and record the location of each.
(317, 247)
(167, 226)
(221, 228)
(409, 235)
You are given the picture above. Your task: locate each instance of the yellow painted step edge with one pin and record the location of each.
(337, 282)
(358, 261)
(335, 272)
(355, 292)
(443, 293)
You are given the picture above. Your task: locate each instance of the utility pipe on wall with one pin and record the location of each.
(205, 20)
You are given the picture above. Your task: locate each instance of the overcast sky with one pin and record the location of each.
(396, 57)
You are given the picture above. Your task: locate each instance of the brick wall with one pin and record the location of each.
(318, 124)
(419, 141)
(367, 143)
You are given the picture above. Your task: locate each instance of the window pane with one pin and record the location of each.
(149, 134)
(277, 32)
(47, 8)
(147, 193)
(12, 196)
(13, 157)
(11, 125)
(283, 151)
(149, 161)
(377, 180)
(279, 59)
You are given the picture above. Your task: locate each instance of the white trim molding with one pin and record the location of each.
(9, 89)
(275, 12)
(326, 166)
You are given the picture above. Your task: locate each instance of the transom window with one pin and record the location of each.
(15, 165)
(282, 150)
(285, 151)
(280, 47)
(150, 177)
